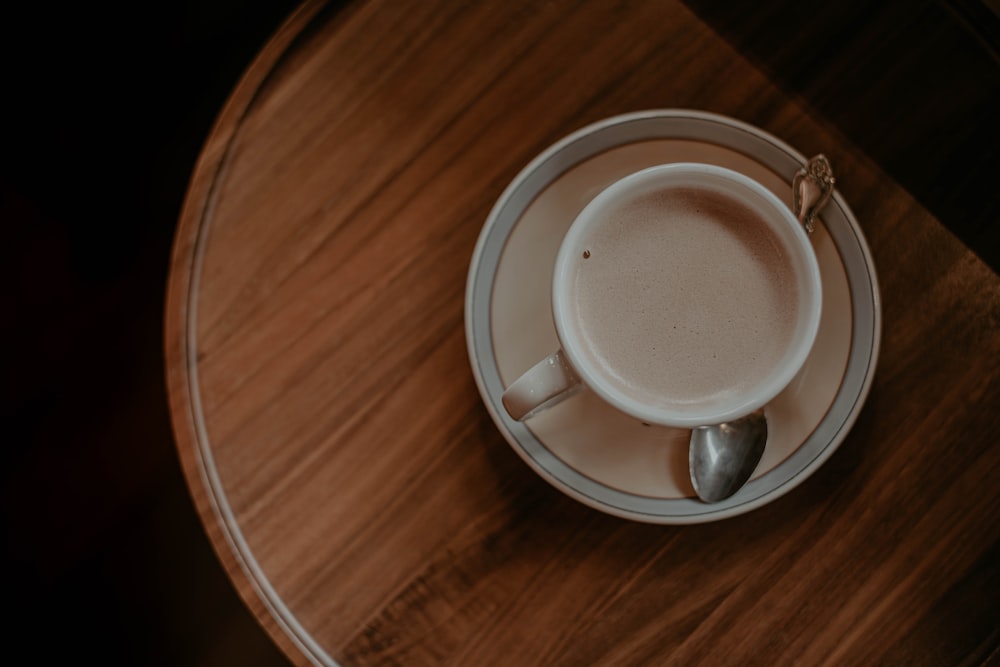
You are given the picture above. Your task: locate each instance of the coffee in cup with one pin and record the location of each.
(684, 295)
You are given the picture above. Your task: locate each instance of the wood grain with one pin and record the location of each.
(355, 487)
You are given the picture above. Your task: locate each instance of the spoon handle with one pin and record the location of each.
(812, 187)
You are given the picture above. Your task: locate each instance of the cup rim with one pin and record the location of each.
(765, 392)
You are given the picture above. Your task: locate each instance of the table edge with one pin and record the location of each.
(195, 213)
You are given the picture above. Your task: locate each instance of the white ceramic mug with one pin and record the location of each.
(671, 271)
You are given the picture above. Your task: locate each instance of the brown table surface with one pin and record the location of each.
(353, 484)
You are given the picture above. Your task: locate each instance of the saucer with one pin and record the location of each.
(585, 447)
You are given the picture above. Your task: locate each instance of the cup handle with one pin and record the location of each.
(545, 384)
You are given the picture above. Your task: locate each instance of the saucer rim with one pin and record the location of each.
(781, 159)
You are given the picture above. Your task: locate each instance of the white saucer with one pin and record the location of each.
(583, 446)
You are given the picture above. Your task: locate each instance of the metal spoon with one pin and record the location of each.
(722, 457)
(812, 187)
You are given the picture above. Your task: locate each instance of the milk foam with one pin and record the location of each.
(684, 298)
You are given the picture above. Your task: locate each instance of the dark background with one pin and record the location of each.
(104, 110)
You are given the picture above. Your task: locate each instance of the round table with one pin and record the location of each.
(337, 446)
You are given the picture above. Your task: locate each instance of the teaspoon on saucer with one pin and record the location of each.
(722, 457)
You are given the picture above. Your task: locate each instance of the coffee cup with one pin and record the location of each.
(684, 295)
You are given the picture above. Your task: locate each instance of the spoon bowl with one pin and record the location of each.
(722, 457)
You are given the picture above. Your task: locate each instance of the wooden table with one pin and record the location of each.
(358, 492)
